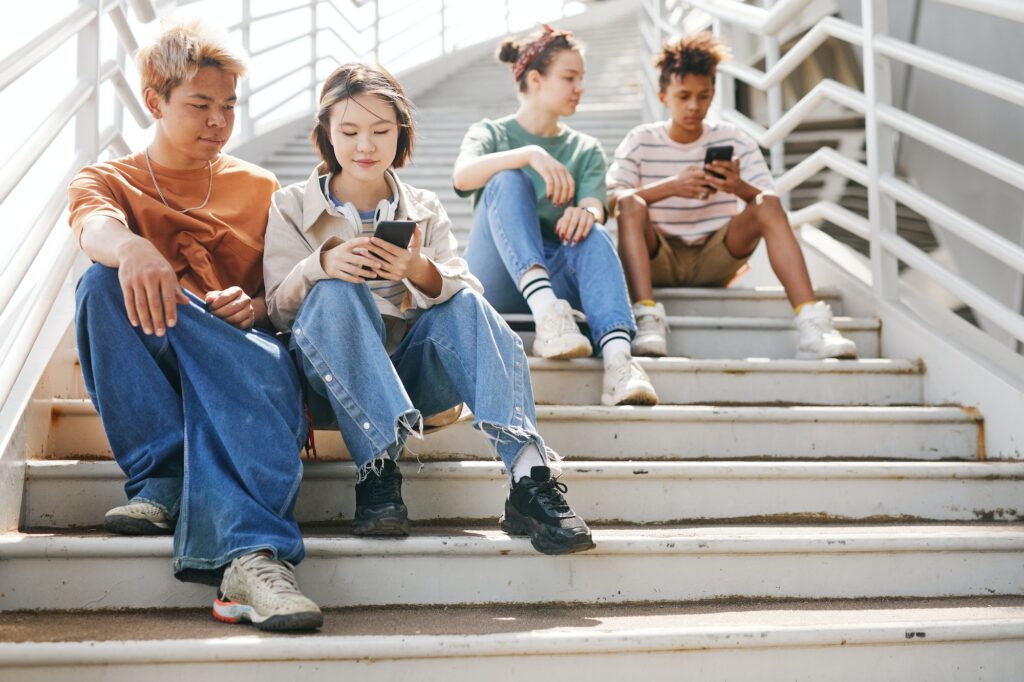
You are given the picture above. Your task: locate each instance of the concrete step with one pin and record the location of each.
(738, 337)
(764, 301)
(680, 381)
(69, 494)
(778, 641)
(459, 565)
(654, 433)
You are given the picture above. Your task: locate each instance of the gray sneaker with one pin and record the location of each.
(263, 591)
(138, 517)
(651, 338)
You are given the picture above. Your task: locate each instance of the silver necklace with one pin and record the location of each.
(209, 190)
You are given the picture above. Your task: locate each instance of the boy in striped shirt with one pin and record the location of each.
(682, 223)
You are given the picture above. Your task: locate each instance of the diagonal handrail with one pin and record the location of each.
(827, 90)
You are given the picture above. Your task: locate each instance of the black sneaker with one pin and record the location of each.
(535, 507)
(380, 510)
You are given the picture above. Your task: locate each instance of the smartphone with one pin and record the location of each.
(397, 232)
(722, 152)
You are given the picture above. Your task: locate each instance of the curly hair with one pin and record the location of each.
(699, 54)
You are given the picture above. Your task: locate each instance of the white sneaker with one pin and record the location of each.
(626, 383)
(138, 517)
(651, 331)
(263, 591)
(558, 336)
(818, 339)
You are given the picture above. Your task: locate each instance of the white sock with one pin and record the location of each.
(615, 347)
(528, 458)
(536, 288)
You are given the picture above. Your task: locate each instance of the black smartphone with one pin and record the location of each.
(722, 152)
(397, 232)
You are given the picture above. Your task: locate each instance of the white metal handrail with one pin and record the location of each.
(882, 121)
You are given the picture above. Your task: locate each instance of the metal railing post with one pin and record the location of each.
(376, 31)
(880, 143)
(772, 52)
(87, 120)
(312, 54)
(444, 8)
(725, 83)
(247, 126)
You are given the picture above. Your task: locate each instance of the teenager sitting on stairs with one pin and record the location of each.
(682, 223)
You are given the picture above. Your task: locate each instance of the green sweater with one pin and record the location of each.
(580, 153)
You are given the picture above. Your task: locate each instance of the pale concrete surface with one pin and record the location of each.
(157, 624)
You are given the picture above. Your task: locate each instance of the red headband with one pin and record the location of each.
(538, 46)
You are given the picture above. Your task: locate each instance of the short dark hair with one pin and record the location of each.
(511, 48)
(351, 80)
(698, 54)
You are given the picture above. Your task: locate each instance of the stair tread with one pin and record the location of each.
(347, 631)
(450, 541)
(41, 469)
(679, 413)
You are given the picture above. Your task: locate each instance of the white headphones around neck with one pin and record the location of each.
(386, 210)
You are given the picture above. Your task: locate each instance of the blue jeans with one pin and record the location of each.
(506, 242)
(458, 351)
(206, 422)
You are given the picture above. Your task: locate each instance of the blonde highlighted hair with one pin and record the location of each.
(181, 49)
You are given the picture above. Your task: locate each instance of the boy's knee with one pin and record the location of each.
(768, 212)
(631, 206)
(100, 282)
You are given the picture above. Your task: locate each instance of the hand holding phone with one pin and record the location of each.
(396, 243)
(721, 152)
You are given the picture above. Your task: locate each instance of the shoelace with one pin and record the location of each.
(276, 574)
(629, 370)
(381, 488)
(566, 320)
(549, 495)
(650, 321)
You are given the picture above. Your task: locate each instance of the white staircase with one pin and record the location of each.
(772, 519)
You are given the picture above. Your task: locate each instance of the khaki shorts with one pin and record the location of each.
(709, 264)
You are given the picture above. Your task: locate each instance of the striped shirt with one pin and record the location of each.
(392, 292)
(648, 154)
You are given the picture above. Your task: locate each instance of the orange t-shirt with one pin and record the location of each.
(212, 248)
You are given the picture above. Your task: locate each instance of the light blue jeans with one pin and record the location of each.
(206, 422)
(506, 242)
(455, 352)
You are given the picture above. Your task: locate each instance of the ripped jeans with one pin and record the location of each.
(460, 351)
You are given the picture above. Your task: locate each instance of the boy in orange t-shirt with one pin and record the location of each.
(201, 406)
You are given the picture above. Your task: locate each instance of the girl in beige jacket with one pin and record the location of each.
(384, 334)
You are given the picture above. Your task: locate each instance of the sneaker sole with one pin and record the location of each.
(514, 523)
(646, 349)
(392, 524)
(237, 614)
(638, 397)
(578, 351)
(809, 355)
(130, 525)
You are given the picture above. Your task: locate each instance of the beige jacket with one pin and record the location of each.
(303, 222)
